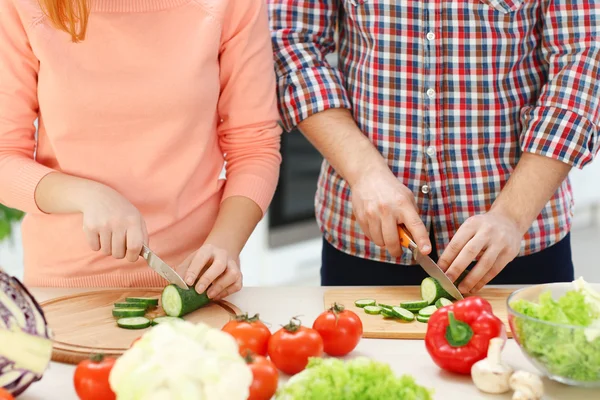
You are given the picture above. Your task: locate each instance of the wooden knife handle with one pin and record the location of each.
(405, 238)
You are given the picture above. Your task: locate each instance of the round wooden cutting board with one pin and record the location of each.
(83, 324)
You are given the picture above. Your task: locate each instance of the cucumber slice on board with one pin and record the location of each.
(422, 319)
(443, 302)
(123, 304)
(178, 302)
(133, 323)
(364, 303)
(388, 313)
(414, 305)
(148, 301)
(431, 291)
(128, 312)
(372, 310)
(427, 311)
(389, 307)
(162, 320)
(403, 314)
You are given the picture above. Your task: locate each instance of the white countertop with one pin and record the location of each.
(277, 305)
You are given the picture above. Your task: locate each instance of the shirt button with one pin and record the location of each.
(430, 151)
(430, 93)
(430, 35)
(425, 189)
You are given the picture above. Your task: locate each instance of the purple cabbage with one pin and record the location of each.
(25, 339)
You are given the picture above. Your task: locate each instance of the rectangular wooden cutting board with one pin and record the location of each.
(375, 326)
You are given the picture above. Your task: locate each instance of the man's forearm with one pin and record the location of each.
(337, 137)
(531, 185)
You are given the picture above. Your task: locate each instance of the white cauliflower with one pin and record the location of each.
(179, 360)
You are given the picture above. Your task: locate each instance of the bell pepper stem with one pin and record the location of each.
(458, 332)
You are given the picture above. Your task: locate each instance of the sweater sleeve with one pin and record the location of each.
(249, 134)
(19, 172)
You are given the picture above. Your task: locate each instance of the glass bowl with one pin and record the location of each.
(565, 353)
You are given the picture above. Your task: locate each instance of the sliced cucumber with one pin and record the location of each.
(427, 311)
(133, 323)
(372, 310)
(162, 320)
(422, 319)
(431, 290)
(364, 303)
(128, 312)
(385, 306)
(123, 304)
(148, 301)
(178, 302)
(403, 314)
(443, 302)
(388, 313)
(414, 305)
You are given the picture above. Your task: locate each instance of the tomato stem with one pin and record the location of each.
(97, 358)
(294, 325)
(249, 357)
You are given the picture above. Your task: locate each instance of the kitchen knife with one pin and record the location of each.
(161, 268)
(428, 264)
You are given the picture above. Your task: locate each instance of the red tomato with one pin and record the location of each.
(91, 378)
(5, 395)
(292, 346)
(340, 329)
(265, 378)
(250, 333)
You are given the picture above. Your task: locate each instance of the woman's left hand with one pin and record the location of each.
(218, 270)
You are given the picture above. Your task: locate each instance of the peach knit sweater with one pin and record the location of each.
(152, 103)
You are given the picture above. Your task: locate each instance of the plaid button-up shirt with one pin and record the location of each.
(451, 92)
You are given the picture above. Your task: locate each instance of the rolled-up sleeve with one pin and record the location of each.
(563, 123)
(303, 34)
(249, 133)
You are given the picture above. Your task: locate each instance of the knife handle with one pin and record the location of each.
(406, 240)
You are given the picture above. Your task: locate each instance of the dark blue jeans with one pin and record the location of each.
(554, 264)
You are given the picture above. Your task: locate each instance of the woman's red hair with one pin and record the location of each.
(70, 16)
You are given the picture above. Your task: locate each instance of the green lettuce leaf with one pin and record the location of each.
(357, 379)
(568, 352)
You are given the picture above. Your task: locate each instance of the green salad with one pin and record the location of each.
(357, 379)
(566, 352)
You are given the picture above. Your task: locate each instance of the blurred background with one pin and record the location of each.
(285, 248)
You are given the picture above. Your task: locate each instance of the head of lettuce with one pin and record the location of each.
(357, 379)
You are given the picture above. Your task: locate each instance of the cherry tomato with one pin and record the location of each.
(265, 377)
(340, 329)
(250, 333)
(5, 395)
(91, 378)
(292, 346)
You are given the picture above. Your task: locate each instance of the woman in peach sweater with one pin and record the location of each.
(140, 103)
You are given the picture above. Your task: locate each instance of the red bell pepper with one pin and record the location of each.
(458, 335)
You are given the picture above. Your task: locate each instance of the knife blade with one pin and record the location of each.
(161, 268)
(428, 265)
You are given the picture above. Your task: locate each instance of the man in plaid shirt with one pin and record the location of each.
(458, 118)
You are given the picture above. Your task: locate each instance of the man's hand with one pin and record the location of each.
(380, 203)
(494, 238)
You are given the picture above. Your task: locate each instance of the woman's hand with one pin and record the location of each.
(218, 270)
(110, 222)
(113, 225)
